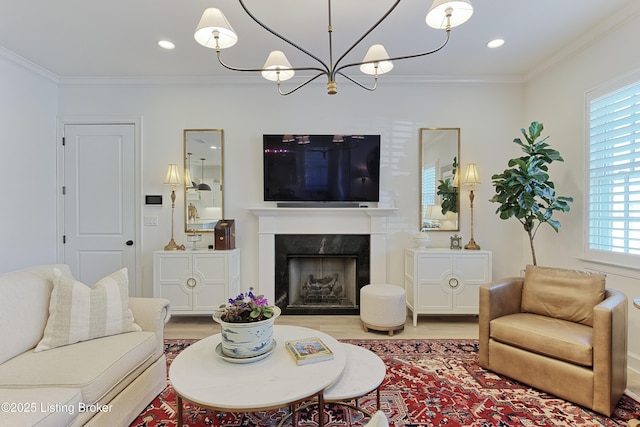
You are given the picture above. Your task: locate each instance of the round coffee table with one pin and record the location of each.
(202, 377)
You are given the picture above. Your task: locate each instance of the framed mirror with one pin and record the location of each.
(204, 172)
(439, 164)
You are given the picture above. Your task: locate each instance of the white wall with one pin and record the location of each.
(28, 105)
(557, 98)
(486, 113)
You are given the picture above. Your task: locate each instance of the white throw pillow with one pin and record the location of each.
(78, 312)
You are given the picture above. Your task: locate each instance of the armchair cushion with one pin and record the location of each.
(561, 293)
(550, 337)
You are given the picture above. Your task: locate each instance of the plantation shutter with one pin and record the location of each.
(428, 187)
(614, 172)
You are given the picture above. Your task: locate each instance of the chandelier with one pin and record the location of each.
(214, 31)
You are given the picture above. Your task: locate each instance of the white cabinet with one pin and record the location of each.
(444, 281)
(196, 282)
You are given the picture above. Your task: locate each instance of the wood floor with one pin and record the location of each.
(350, 327)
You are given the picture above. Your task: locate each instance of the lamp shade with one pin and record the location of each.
(214, 22)
(378, 53)
(461, 11)
(471, 176)
(277, 61)
(173, 177)
(188, 181)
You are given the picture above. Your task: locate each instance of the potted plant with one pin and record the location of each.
(247, 325)
(525, 192)
(448, 190)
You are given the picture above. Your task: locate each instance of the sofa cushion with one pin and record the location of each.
(96, 367)
(556, 338)
(78, 312)
(40, 407)
(564, 294)
(24, 304)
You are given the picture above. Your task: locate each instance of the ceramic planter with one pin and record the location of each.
(245, 340)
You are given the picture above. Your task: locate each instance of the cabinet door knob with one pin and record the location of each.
(191, 282)
(129, 243)
(453, 282)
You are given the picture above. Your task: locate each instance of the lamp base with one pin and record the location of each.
(171, 246)
(472, 245)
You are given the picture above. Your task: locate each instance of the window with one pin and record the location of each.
(614, 175)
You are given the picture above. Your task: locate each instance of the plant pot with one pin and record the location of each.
(245, 340)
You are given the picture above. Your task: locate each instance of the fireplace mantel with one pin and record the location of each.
(272, 221)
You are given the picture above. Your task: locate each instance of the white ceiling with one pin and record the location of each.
(90, 38)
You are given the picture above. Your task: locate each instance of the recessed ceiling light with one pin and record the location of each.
(166, 44)
(492, 44)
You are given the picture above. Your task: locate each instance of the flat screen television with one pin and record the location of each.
(321, 168)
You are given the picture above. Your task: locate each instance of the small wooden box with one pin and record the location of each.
(225, 234)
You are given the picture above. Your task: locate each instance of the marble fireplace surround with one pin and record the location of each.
(348, 221)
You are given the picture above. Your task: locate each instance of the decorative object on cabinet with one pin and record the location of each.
(215, 32)
(444, 281)
(537, 201)
(203, 201)
(471, 178)
(225, 234)
(194, 238)
(455, 242)
(173, 179)
(195, 282)
(422, 240)
(439, 172)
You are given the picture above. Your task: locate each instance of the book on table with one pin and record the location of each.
(308, 350)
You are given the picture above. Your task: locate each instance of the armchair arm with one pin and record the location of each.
(497, 299)
(609, 350)
(151, 314)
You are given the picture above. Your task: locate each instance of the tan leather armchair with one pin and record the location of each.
(560, 331)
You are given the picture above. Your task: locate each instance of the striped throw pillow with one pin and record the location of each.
(78, 312)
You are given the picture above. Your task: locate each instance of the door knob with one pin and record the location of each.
(129, 243)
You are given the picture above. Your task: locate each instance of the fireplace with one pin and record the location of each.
(370, 222)
(320, 273)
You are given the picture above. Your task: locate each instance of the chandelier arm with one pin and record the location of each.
(352, 80)
(397, 58)
(335, 67)
(301, 85)
(283, 38)
(232, 68)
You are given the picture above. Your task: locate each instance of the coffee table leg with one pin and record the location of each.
(179, 410)
(321, 409)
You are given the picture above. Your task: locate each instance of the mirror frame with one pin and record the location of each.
(188, 228)
(424, 145)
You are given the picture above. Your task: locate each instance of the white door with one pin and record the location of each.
(99, 201)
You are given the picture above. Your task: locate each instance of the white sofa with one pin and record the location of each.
(105, 381)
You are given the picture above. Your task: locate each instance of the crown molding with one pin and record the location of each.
(595, 34)
(28, 65)
(255, 80)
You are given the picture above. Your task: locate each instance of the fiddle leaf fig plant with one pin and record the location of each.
(525, 192)
(448, 191)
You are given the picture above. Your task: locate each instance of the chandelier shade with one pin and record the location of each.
(277, 67)
(448, 13)
(214, 31)
(379, 55)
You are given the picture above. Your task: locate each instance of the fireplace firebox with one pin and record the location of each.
(320, 273)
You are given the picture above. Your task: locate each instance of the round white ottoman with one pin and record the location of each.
(383, 307)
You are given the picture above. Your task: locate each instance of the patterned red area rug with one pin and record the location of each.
(428, 383)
